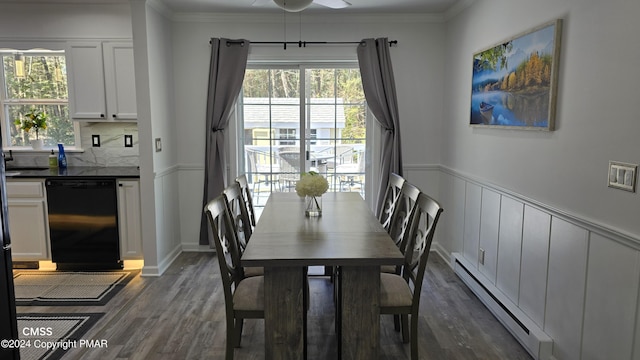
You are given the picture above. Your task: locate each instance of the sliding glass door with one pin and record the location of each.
(295, 119)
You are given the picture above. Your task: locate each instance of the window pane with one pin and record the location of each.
(59, 127)
(285, 85)
(256, 84)
(349, 86)
(321, 84)
(45, 77)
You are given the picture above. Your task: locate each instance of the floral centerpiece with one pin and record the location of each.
(311, 186)
(36, 120)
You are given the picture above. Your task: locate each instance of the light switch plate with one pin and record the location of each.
(623, 176)
(158, 144)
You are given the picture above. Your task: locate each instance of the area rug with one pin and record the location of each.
(50, 336)
(56, 288)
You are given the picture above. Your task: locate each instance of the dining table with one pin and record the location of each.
(347, 235)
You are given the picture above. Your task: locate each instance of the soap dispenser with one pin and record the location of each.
(53, 160)
(62, 158)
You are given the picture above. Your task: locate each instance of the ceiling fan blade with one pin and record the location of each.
(334, 4)
(261, 2)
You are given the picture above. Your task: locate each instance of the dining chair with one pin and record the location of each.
(248, 200)
(289, 169)
(243, 297)
(237, 210)
(400, 294)
(400, 219)
(391, 196)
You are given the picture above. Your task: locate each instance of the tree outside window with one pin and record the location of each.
(43, 87)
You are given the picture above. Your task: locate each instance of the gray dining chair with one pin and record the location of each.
(400, 293)
(243, 297)
(241, 223)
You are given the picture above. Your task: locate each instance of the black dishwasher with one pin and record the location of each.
(83, 223)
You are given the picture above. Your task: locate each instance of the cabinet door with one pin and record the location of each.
(86, 80)
(120, 83)
(129, 219)
(28, 229)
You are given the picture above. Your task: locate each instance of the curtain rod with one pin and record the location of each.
(304, 43)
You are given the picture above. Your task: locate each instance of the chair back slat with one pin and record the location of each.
(420, 236)
(391, 196)
(226, 244)
(248, 199)
(238, 212)
(402, 213)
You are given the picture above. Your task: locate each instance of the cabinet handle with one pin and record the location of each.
(114, 116)
(101, 115)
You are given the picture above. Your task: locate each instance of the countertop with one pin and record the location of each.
(74, 172)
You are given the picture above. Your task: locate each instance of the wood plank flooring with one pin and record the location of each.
(180, 315)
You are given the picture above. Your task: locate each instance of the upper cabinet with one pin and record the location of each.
(101, 81)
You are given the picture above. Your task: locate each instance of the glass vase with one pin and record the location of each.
(313, 206)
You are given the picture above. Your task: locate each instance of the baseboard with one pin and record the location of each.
(532, 338)
(163, 265)
(197, 248)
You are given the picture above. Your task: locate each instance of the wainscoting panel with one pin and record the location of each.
(566, 287)
(489, 225)
(533, 269)
(510, 249)
(472, 207)
(612, 295)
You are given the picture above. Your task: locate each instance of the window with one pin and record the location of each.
(287, 136)
(316, 111)
(41, 84)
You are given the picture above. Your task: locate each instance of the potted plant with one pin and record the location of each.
(34, 119)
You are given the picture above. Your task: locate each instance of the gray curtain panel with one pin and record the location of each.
(379, 86)
(226, 73)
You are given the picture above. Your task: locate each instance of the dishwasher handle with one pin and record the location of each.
(81, 184)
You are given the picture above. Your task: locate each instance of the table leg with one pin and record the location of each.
(360, 312)
(284, 313)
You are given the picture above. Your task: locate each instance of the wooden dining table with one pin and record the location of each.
(285, 242)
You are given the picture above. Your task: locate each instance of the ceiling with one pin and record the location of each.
(357, 6)
(245, 6)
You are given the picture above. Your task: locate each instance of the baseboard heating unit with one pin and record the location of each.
(532, 338)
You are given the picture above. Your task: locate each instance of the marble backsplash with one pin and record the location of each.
(111, 151)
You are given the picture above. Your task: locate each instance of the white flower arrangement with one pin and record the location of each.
(311, 184)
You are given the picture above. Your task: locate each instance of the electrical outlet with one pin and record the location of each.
(128, 141)
(95, 140)
(481, 256)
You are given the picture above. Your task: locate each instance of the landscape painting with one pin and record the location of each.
(514, 82)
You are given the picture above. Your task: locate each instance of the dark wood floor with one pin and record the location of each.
(180, 315)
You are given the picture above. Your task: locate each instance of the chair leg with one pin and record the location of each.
(404, 321)
(231, 334)
(414, 336)
(396, 322)
(238, 332)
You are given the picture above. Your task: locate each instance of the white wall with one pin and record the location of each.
(561, 248)
(156, 119)
(596, 119)
(418, 62)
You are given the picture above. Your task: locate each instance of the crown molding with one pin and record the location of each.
(457, 9)
(309, 19)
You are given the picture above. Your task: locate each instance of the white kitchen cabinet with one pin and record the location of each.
(101, 81)
(129, 219)
(28, 224)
